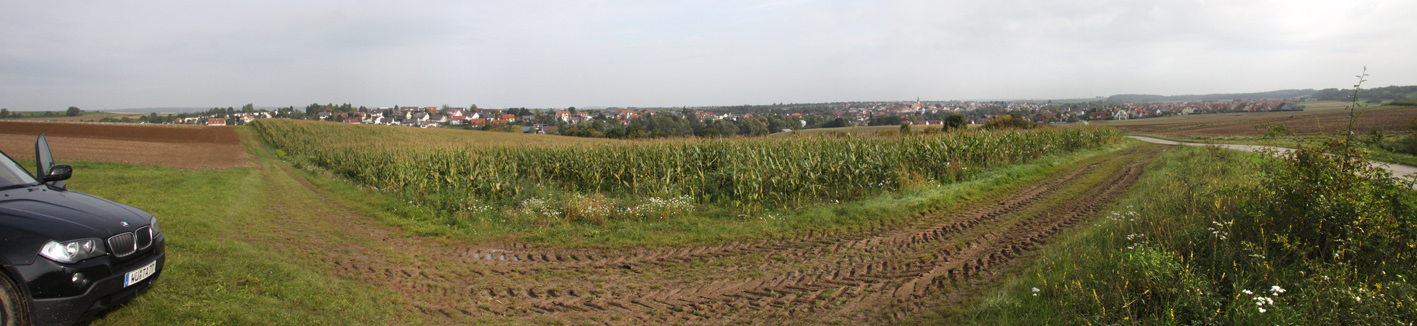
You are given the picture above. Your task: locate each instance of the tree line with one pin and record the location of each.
(71, 112)
(1380, 93)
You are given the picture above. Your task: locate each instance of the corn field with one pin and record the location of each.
(752, 171)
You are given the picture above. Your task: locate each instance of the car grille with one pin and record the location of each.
(122, 244)
(144, 237)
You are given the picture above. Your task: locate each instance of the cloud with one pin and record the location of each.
(668, 53)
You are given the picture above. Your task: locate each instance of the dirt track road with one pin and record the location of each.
(881, 276)
(1405, 171)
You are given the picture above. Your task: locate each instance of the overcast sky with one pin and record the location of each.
(127, 54)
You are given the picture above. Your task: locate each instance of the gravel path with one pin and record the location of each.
(1404, 171)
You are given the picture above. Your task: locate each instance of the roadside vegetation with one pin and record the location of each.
(621, 190)
(1221, 237)
(1317, 236)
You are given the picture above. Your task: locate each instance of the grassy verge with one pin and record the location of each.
(228, 261)
(710, 224)
(1212, 236)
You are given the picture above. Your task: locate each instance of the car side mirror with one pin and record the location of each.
(59, 172)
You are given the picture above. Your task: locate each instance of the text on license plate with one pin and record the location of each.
(138, 275)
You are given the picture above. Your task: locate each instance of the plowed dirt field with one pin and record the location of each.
(188, 147)
(885, 275)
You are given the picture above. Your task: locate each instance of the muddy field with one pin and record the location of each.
(188, 147)
(1328, 122)
(890, 274)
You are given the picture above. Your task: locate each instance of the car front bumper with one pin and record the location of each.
(96, 295)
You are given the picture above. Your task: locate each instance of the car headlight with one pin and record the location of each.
(152, 224)
(70, 252)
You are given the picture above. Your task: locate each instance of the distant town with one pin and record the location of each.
(749, 120)
(711, 121)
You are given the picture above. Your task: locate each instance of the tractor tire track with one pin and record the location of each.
(862, 286)
(524, 255)
(868, 277)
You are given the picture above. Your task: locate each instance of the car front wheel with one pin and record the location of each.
(12, 305)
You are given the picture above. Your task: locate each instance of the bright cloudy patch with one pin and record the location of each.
(118, 54)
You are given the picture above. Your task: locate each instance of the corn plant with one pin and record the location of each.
(738, 172)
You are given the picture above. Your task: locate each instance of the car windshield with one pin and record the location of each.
(11, 174)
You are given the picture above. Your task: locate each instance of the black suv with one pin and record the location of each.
(66, 255)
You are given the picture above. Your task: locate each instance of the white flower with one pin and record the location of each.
(1035, 290)
(1357, 298)
(1277, 290)
(1262, 310)
(1247, 292)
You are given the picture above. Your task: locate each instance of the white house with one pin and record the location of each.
(1121, 115)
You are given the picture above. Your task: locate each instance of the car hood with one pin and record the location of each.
(66, 214)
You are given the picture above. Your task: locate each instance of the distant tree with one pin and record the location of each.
(955, 121)
(837, 123)
(1008, 121)
(635, 131)
(248, 108)
(614, 133)
(884, 120)
(4, 113)
(571, 109)
(74, 111)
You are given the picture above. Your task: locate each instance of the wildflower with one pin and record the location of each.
(1277, 290)
(1247, 292)
(1262, 310)
(1035, 292)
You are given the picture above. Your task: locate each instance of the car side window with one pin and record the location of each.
(12, 174)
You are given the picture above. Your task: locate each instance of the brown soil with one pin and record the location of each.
(867, 278)
(188, 147)
(1391, 120)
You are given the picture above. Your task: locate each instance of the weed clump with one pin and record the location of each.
(1317, 235)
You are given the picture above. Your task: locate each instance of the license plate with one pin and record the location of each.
(140, 274)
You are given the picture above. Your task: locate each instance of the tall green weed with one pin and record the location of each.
(1212, 236)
